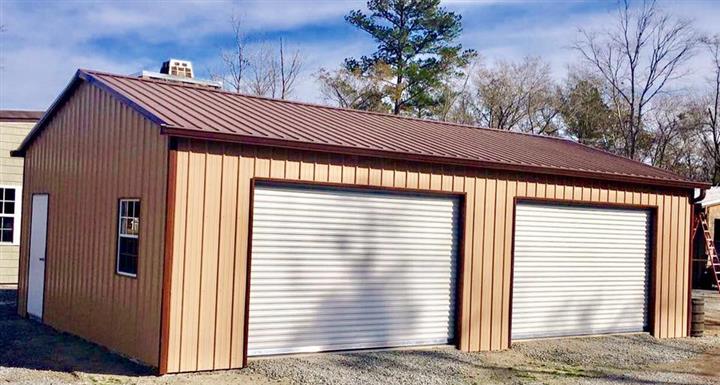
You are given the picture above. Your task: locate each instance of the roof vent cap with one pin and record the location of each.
(179, 68)
(178, 71)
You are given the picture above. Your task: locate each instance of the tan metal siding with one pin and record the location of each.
(486, 272)
(11, 175)
(94, 152)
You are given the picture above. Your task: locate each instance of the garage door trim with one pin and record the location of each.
(606, 205)
(265, 181)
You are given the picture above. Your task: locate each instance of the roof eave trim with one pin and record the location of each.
(80, 75)
(289, 144)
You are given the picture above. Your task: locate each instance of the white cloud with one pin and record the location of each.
(551, 37)
(46, 42)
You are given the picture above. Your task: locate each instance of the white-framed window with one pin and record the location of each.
(128, 237)
(10, 210)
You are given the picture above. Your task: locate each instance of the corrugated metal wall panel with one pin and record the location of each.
(579, 271)
(487, 244)
(338, 269)
(93, 152)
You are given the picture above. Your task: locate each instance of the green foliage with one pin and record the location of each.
(416, 51)
(586, 116)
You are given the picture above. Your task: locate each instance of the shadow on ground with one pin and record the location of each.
(31, 345)
(31, 353)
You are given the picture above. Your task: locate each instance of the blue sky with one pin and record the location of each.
(44, 42)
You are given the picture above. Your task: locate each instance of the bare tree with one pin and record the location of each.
(272, 73)
(637, 59)
(261, 77)
(348, 89)
(235, 61)
(289, 69)
(710, 106)
(258, 69)
(670, 131)
(543, 109)
(517, 96)
(454, 98)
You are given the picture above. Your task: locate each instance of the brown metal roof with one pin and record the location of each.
(192, 111)
(20, 116)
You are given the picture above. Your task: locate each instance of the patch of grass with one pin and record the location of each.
(569, 372)
(526, 375)
(565, 371)
(106, 380)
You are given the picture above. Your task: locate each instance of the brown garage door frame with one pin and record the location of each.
(603, 205)
(461, 196)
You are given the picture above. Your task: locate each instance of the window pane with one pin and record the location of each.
(9, 208)
(6, 223)
(129, 225)
(6, 236)
(127, 262)
(2, 193)
(124, 225)
(128, 245)
(134, 226)
(9, 194)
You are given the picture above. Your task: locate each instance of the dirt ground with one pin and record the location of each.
(31, 353)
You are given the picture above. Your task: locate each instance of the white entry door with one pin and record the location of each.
(579, 271)
(346, 269)
(38, 244)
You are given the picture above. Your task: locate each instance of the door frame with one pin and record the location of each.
(652, 239)
(460, 195)
(29, 239)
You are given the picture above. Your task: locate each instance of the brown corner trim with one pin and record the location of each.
(690, 256)
(167, 261)
(248, 266)
(460, 260)
(512, 270)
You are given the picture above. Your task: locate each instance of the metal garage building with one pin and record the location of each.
(191, 228)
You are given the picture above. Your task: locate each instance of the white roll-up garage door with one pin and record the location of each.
(346, 269)
(579, 271)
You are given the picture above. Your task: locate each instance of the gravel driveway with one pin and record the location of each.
(34, 354)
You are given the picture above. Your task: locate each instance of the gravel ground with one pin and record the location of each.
(596, 360)
(31, 353)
